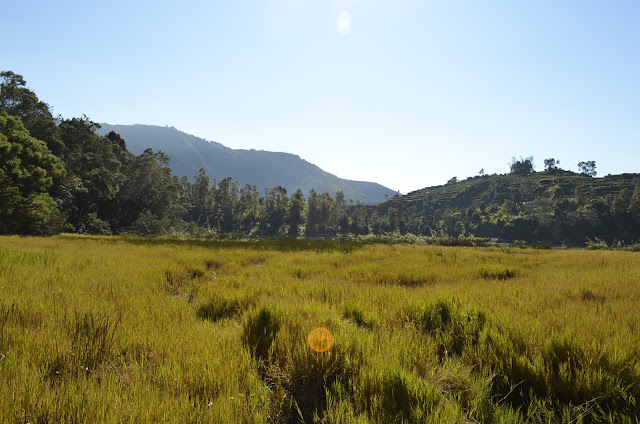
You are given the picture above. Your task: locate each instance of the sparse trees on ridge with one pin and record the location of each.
(551, 165)
(588, 168)
(522, 166)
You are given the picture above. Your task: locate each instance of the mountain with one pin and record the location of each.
(255, 167)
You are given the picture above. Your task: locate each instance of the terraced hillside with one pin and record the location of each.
(541, 207)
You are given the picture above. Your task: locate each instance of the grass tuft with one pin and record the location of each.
(453, 327)
(497, 274)
(92, 343)
(260, 329)
(219, 307)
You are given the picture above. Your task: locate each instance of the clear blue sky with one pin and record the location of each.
(405, 93)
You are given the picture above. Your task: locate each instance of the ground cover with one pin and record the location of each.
(110, 329)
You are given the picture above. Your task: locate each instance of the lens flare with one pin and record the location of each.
(320, 340)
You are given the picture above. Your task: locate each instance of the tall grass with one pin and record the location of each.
(107, 329)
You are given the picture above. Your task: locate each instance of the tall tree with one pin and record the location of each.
(296, 208)
(588, 168)
(201, 200)
(17, 100)
(359, 220)
(522, 166)
(149, 193)
(314, 217)
(340, 199)
(27, 170)
(224, 205)
(551, 165)
(93, 178)
(249, 208)
(276, 203)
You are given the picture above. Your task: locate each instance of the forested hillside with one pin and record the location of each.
(554, 206)
(261, 168)
(60, 175)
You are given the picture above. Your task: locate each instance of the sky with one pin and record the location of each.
(406, 93)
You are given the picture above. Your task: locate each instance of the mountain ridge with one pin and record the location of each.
(262, 168)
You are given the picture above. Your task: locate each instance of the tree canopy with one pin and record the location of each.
(588, 168)
(522, 166)
(27, 171)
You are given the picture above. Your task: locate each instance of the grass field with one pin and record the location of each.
(110, 330)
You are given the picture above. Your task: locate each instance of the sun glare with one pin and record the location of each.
(344, 23)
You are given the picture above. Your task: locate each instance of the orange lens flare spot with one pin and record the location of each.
(320, 340)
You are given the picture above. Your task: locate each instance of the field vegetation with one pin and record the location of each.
(112, 329)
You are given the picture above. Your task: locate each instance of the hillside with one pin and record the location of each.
(254, 167)
(555, 207)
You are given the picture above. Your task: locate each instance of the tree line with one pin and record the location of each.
(60, 175)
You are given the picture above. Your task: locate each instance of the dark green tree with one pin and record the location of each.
(314, 217)
(17, 100)
(522, 166)
(588, 168)
(201, 200)
(149, 197)
(622, 202)
(93, 179)
(340, 199)
(249, 208)
(551, 165)
(359, 224)
(329, 215)
(296, 209)
(343, 224)
(27, 171)
(276, 203)
(224, 205)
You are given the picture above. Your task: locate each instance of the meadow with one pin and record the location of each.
(132, 330)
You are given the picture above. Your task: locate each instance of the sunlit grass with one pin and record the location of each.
(106, 329)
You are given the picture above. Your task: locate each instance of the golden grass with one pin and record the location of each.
(108, 329)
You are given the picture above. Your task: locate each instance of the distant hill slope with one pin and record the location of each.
(255, 167)
(495, 189)
(555, 207)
